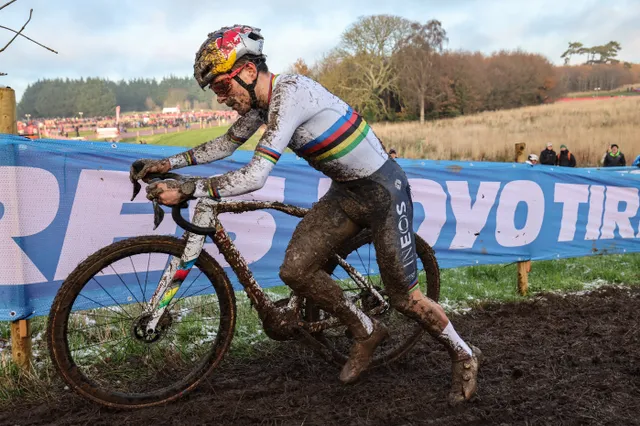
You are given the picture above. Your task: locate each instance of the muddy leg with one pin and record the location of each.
(320, 232)
(397, 259)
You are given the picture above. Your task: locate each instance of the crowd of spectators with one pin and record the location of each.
(56, 127)
(613, 157)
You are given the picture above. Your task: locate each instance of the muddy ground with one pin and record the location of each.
(552, 360)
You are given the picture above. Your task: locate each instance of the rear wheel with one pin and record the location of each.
(96, 332)
(404, 332)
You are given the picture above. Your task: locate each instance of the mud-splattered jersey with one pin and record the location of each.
(303, 116)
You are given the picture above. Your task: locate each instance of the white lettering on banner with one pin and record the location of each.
(596, 206)
(613, 217)
(30, 198)
(470, 220)
(514, 193)
(571, 195)
(254, 231)
(433, 199)
(96, 219)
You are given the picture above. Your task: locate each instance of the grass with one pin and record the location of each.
(586, 127)
(191, 138)
(461, 288)
(578, 95)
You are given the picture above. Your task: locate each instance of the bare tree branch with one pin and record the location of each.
(18, 33)
(7, 4)
(30, 39)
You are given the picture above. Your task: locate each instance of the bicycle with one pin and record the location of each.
(138, 350)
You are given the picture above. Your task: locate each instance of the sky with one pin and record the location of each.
(126, 39)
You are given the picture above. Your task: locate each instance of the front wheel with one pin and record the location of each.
(404, 332)
(96, 331)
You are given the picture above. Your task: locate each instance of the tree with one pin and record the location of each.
(365, 52)
(605, 53)
(418, 63)
(95, 98)
(300, 67)
(575, 48)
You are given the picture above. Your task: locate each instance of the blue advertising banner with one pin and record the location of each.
(60, 201)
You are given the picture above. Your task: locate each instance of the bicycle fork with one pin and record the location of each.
(176, 272)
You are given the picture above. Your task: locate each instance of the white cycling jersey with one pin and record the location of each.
(303, 116)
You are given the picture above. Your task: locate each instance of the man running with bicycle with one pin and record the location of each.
(369, 190)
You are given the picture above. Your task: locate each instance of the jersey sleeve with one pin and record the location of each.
(289, 109)
(222, 146)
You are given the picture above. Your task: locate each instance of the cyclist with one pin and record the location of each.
(368, 191)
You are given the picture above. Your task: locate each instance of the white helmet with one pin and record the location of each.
(533, 157)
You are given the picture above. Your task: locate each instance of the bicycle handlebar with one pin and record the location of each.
(185, 224)
(158, 213)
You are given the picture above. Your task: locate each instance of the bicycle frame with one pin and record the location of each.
(206, 216)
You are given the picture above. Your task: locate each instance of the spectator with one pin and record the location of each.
(532, 159)
(392, 153)
(614, 158)
(548, 156)
(565, 159)
(636, 162)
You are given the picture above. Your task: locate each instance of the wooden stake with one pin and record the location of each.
(8, 122)
(521, 155)
(523, 277)
(523, 267)
(21, 343)
(21, 329)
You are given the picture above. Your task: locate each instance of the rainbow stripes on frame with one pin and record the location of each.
(268, 153)
(212, 191)
(337, 141)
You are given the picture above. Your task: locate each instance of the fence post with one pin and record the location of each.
(523, 267)
(21, 329)
(521, 156)
(21, 343)
(8, 122)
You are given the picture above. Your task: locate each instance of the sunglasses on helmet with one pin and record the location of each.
(222, 86)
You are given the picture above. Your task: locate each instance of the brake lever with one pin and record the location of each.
(158, 214)
(136, 189)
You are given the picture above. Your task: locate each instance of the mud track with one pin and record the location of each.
(552, 360)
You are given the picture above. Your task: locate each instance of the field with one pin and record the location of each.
(586, 127)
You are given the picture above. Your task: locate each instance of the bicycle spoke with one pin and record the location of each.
(146, 278)
(111, 297)
(95, 326)
(362, 263)
(100, 343)
(125, 284)
(199, 306)
(107, 307)
(137, 279)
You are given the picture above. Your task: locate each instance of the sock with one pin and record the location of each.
(451, 338)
